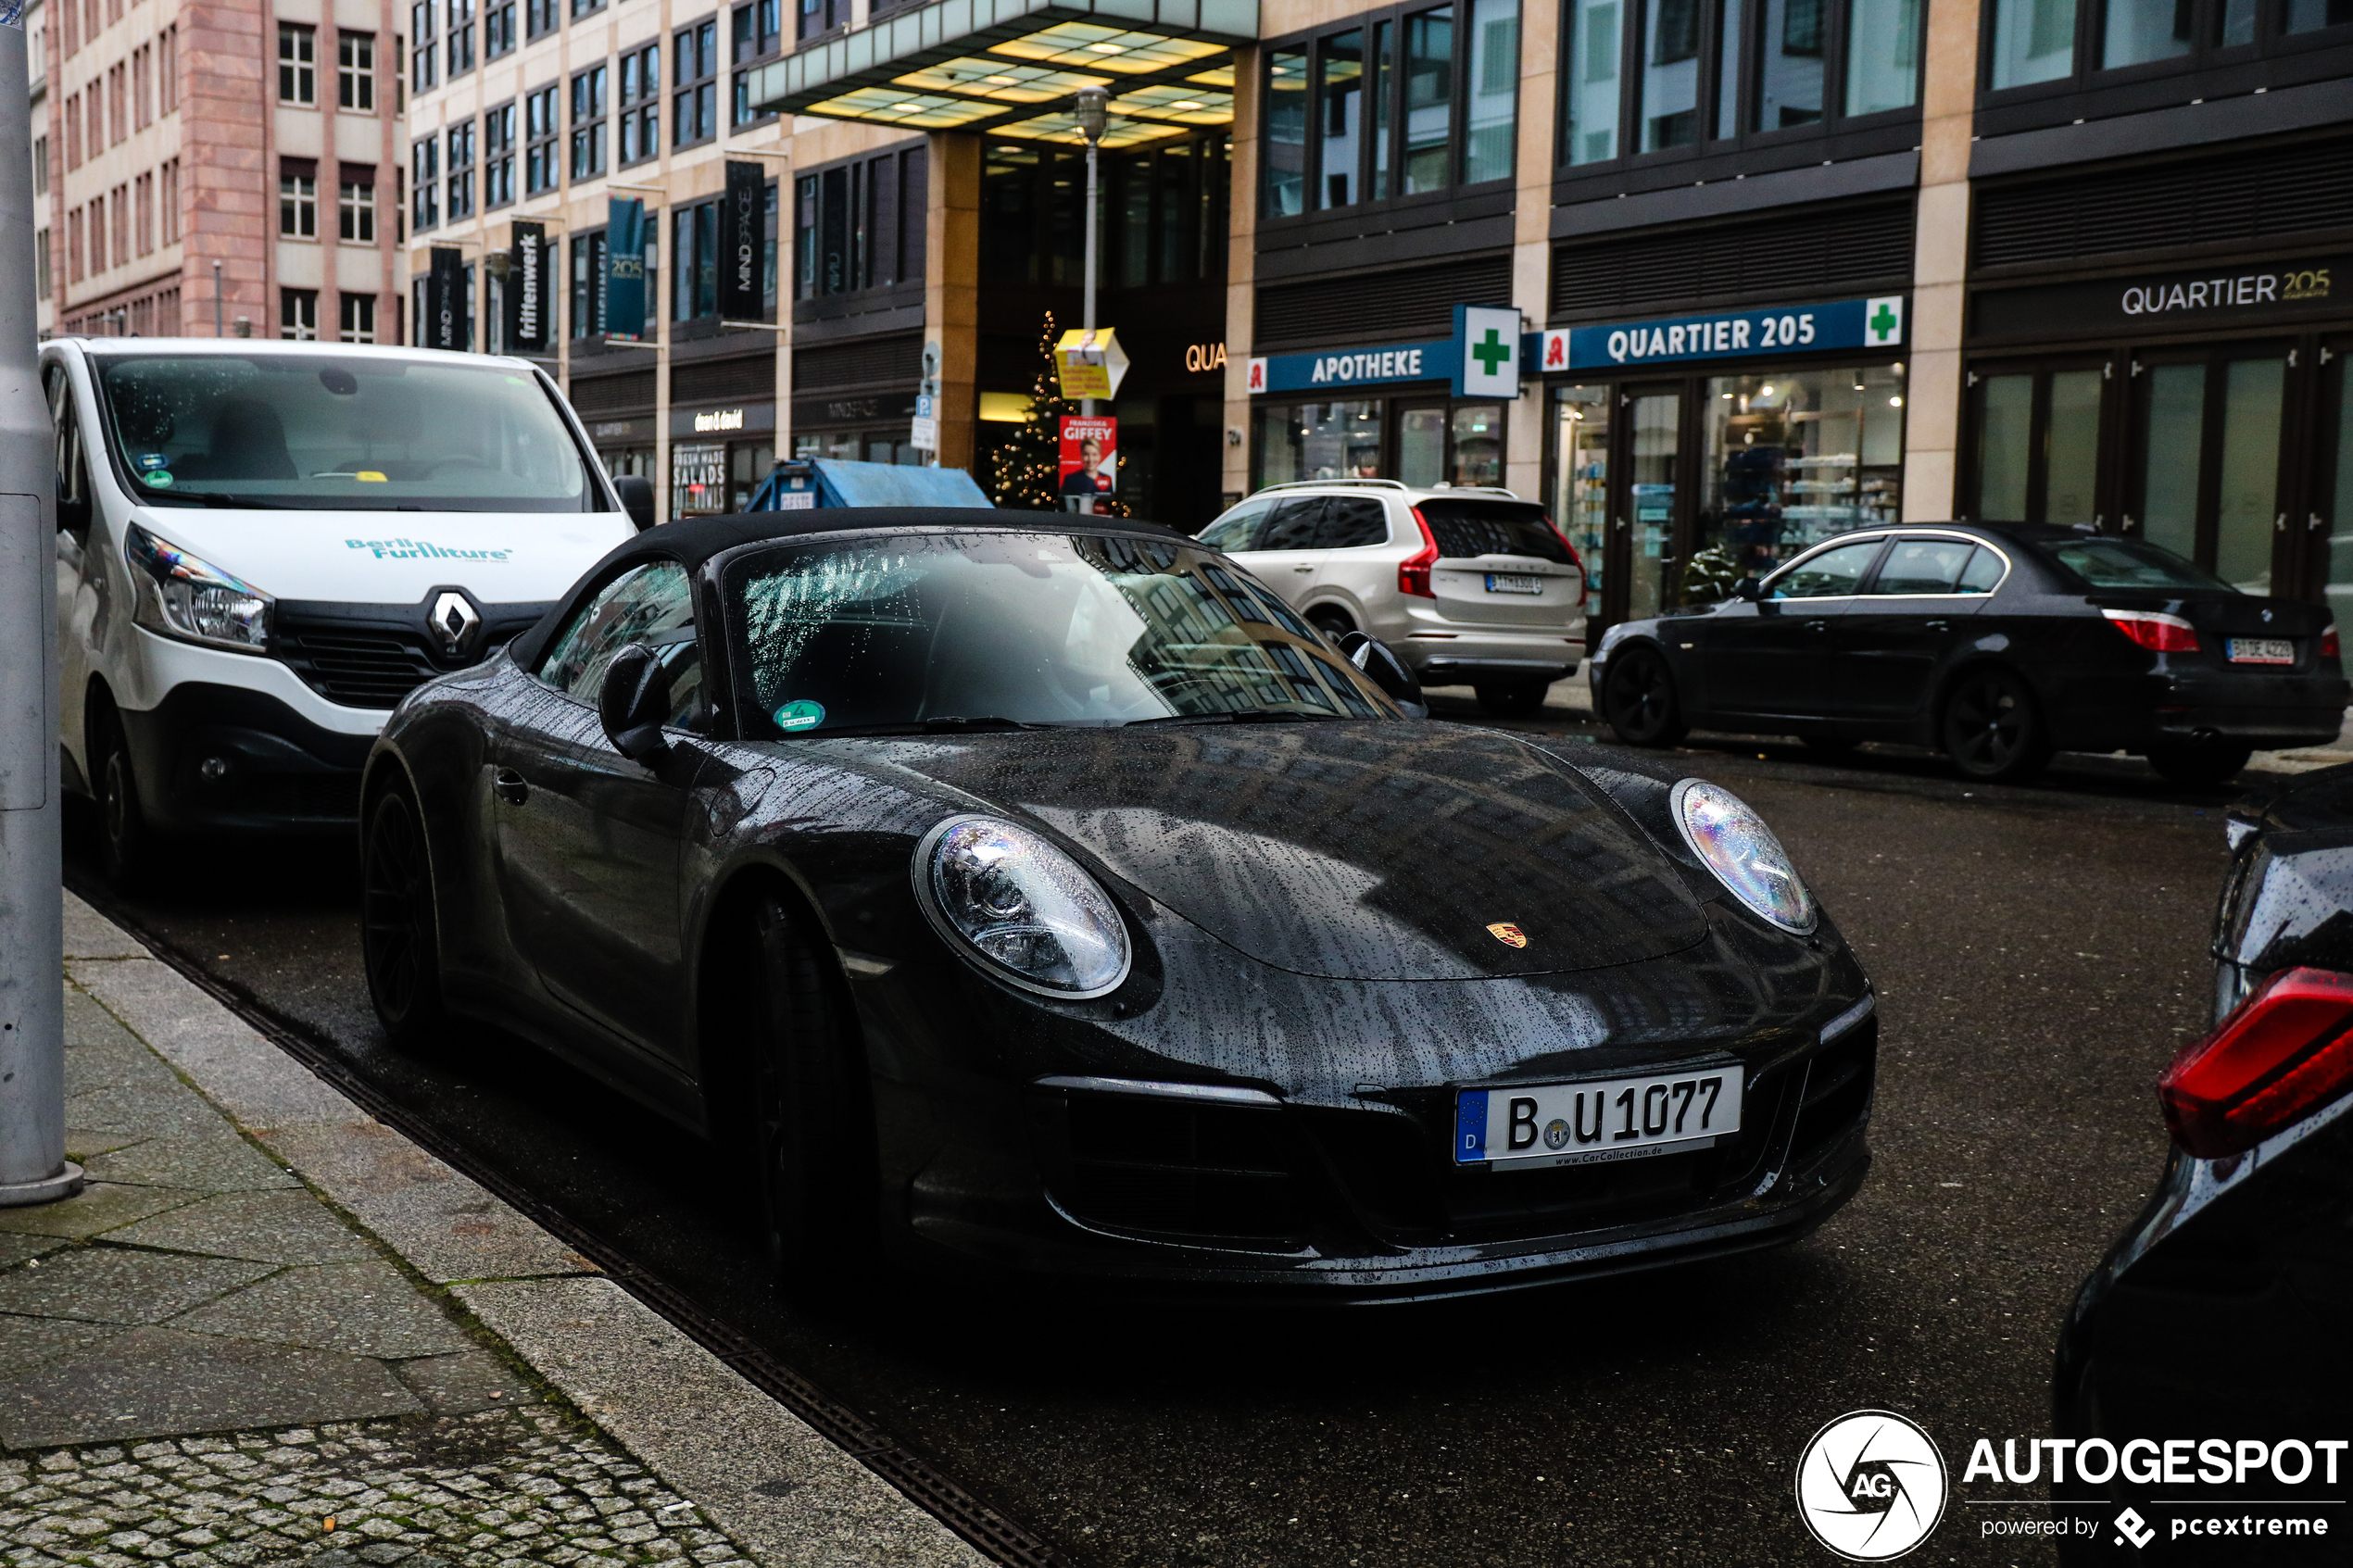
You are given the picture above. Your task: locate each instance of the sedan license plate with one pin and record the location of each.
(1514, 583)
(2260, 650)
(1598, 1122)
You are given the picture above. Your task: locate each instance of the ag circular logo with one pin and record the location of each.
(1871, 1486)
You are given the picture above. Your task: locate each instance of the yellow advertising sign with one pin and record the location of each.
(1090, 364)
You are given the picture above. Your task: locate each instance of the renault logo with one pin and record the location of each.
(455, 621)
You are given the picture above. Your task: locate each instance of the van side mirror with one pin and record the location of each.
(636, 493)
(1388, 671)
(631, 703)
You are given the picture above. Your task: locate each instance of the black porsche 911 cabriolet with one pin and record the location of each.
(1040, 895)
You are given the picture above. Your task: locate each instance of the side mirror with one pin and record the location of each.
(1388, 671)
(633, 702)
(1748, 588)
(636, 493)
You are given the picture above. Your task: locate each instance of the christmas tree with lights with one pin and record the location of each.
(1025, 471)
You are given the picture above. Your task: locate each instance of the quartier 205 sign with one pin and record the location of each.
(1788, 329)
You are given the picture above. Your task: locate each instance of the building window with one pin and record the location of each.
(499, 29)
(693, 114)
(822, 16)
(540, 170)
(461, 37)
(168, 69)
(588, 123)
(758, 37)
(499, 157)
(424, 177)
(298, 63)
(73, 246)
(145, 202)
(356, 318)
(424, 58)
(298, 314)
(40, 280)
(2038, 41)
(539, 18)
(168, 201)
(461, 171)
(41, 165)
(141, 86)
(640, 105)
(693, 262)
(355, 205)
(297, 200)
(356, 71)
(73, 132)
(584, 8)
(588, 284)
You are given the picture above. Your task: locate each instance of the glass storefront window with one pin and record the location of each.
(1339, 119)
(1657, 452)
(1318, 441)
(1883, 55)
(1580, 485)
(2072, 450)
(2142, 30)
(2004, 430)
(1494, 88)
(698, 479)
(1728, 71)
(1670, 75)
(2034, 40)
(1429, 99)
(1592, 117)
(1286, 181)
(2311, 16)
(1791, 72)
(1474, 445)
(1421, 445)
(2253, 391)
(748, 464)
(1793, 457)
(1384, 78)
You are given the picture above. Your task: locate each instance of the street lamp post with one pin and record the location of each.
(1094, 116)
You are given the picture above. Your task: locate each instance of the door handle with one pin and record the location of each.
(2315, 524)
(1818, 626)
(509, 786)
(1302, 568)
(1940, 626)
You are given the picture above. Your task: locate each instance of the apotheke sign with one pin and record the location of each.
(2166, 301)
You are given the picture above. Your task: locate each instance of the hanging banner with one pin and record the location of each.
(529, 275)
(624, 269)
(743, 242)
(1090, 363)
(1090, 459)
(445, 322)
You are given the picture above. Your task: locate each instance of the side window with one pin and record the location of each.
(1833, 572)
(1923, 566)
(1983, 573)
(73, 466)
(1235, 530)
(650, 604)
(1293, 525)
(1351, 520)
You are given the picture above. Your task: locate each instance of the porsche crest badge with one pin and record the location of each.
(1508, 933)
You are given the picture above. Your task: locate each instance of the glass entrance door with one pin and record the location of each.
(1581, 485)
(2207, 458)
(2327, 523)
(1647, 512)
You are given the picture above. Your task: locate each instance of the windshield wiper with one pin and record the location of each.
(237, 503)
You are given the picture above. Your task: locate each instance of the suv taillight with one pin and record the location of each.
(1574, 560)
(2155, 630)
(2280, 1055)
(1413, 572)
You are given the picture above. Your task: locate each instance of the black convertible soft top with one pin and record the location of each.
(693, 541)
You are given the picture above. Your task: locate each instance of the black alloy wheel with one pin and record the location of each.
(811, 1113)
(1639, 700)
(126, 847)
(1334, 623)
(398, 940)
(1993, 730)
(1513, 699)
(2200, 764)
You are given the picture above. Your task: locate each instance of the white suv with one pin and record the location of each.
(1471, 586)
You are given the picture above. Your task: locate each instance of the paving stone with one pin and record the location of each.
(90, 935)
(274, 1227)
(85, 1144)
(212, 1160)
(151, 1108)
(107, 1285)
(15, 1249)
(364, 1309)
(97, 1207)
(25, 1343)
(474, 1380)
(156, 1382)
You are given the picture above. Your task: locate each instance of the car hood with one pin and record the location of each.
(394, 557)
(1362, 851)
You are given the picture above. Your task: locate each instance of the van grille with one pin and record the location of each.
(371, 655)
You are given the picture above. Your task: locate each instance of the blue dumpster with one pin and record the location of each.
(799, 485)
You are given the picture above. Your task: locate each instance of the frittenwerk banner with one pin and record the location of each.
(528, 276)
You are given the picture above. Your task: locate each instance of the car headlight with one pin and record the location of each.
(1030, 912)
(178, 594)
(1743, 854)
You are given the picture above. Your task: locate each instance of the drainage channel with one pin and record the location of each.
(998, 1538)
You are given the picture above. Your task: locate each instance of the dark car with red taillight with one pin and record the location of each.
(1996, 643)
(2222, 1310)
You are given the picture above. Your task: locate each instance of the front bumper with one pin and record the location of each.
(213, 758)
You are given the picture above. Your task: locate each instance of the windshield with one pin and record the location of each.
(2128, 563)
(339, 432)
(940, 631)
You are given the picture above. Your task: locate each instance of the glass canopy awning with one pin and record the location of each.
(1010, 67)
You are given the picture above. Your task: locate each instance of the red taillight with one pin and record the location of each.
(2280, 1055)
(1574, 560)
(2155, 630)
(2328, 641)
(1413, 572)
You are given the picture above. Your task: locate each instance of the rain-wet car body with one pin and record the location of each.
(1343, 936)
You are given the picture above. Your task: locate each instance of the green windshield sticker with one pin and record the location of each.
(800, 715)
(161, 479)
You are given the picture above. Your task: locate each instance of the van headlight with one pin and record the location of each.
(181, 597)
(1030, 912)
(1742, 852)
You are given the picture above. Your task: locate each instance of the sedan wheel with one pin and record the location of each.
(398, 943)
(1639, 700)
(1992, 730)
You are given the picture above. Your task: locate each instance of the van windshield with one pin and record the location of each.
(338, 432)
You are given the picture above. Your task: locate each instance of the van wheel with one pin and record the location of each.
(399, 942)
(1993, 730)
(126, 848)
(1513, 699)
(1639, 700)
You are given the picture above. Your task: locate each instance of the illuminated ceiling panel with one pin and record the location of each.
(892, 106)
(1103, 48)
(1001, 79)
(1186, 105)
(1221, 76)
(1063, 128)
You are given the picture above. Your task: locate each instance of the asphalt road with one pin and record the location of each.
(2038, 953)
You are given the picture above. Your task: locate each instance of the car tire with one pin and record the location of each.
(1512, 700)
(1639, 700)
(2200, 764)
(1993, 729)
(1333, 623)
(126, 845)
(811, 1122)
(399, 935)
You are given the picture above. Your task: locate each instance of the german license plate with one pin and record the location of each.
(1514, 583)
(1596, 1123)
(2260, 650)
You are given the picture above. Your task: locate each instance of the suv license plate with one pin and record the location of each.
(2260, 650)
(1514, 583)
(1598, 1122)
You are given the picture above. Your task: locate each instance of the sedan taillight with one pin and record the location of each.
(1413, 572)
(2280, 1055)
(2155, 630)
(2328, 641)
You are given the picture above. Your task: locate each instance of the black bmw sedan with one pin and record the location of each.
(1040, 895)
(2221, 1311)
(1996, 643)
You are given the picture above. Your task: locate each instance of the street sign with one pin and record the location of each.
(1486, 351)
(924, 435)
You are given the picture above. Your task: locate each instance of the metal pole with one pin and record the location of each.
(1086, 313)
(33, 1168)
(215, 301)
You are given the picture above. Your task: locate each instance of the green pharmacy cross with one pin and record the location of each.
(1882, 323)
(1493, 353)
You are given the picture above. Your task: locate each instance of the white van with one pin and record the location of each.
(263, 546)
